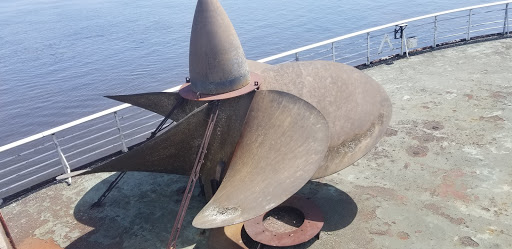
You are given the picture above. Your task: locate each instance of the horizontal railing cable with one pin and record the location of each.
(28, 179)
(86, 130)
(25, 152)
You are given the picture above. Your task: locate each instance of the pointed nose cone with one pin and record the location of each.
(217, 61)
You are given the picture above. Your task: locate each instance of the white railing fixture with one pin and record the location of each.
(32, 160)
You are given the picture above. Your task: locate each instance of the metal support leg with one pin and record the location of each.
(62, 158)
(121, 136)
(112, 185)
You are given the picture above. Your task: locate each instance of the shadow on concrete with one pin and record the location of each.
(138, 213)
(338, 207)
(339, 210)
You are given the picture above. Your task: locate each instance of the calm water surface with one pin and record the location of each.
(59, 57)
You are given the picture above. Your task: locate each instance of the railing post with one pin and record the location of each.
(368, 48)
(121, 136)
(435, 32)
(63, 160)
(402, 43)
(333, 52)
(469, 26)
(505, 22)
(296, 56)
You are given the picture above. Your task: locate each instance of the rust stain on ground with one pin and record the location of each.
(417, 151)
(433, 125)
(390, 132)
(407, 165)
(425, 139)
(385, 193)
(469, 96)
(381, 231)
(403, 235)
(435, 209)
(451, 187)
(468, 241)
(34, 243)
(493, 118)
(500, 94)
(368, 215)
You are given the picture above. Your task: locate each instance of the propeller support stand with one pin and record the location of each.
(111, 187)
(294, 222)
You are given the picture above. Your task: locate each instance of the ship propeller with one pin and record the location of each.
(306, 120)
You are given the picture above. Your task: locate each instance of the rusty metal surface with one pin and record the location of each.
(283, 143)
(160, 103)
(173, 240)
(187, 92)
(172, 151)
(229, 237)
(217, 61)
(225, 136)
(356, 106)
(313, 223)
(6, 240)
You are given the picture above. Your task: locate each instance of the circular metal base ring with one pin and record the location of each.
(187, 92)
(313, 223)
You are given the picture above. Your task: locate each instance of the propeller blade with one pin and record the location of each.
(283, 143)
(224, 138)
(356, 106)
(172, 152)
(160, 103)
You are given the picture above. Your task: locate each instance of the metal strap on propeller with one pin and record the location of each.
(192, 180)
(160, 126)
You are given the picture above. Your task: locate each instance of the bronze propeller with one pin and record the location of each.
(277, 126)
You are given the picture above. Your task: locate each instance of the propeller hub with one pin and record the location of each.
(217, 61)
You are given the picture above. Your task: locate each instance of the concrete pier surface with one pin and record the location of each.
(441, 178)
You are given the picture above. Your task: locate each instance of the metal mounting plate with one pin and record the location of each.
(313, 223)
(187, 92)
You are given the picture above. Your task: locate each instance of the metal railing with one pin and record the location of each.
(424, 31)
(45, 155)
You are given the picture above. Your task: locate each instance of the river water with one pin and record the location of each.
(59, 57)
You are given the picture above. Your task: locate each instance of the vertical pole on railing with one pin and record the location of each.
(505, 22)
(405, 44)
(435, 32)
(121, 136)
(402, 43)
(368, 48)
(296, 56)
(63, 160)
(469, 26)
(333, 52)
